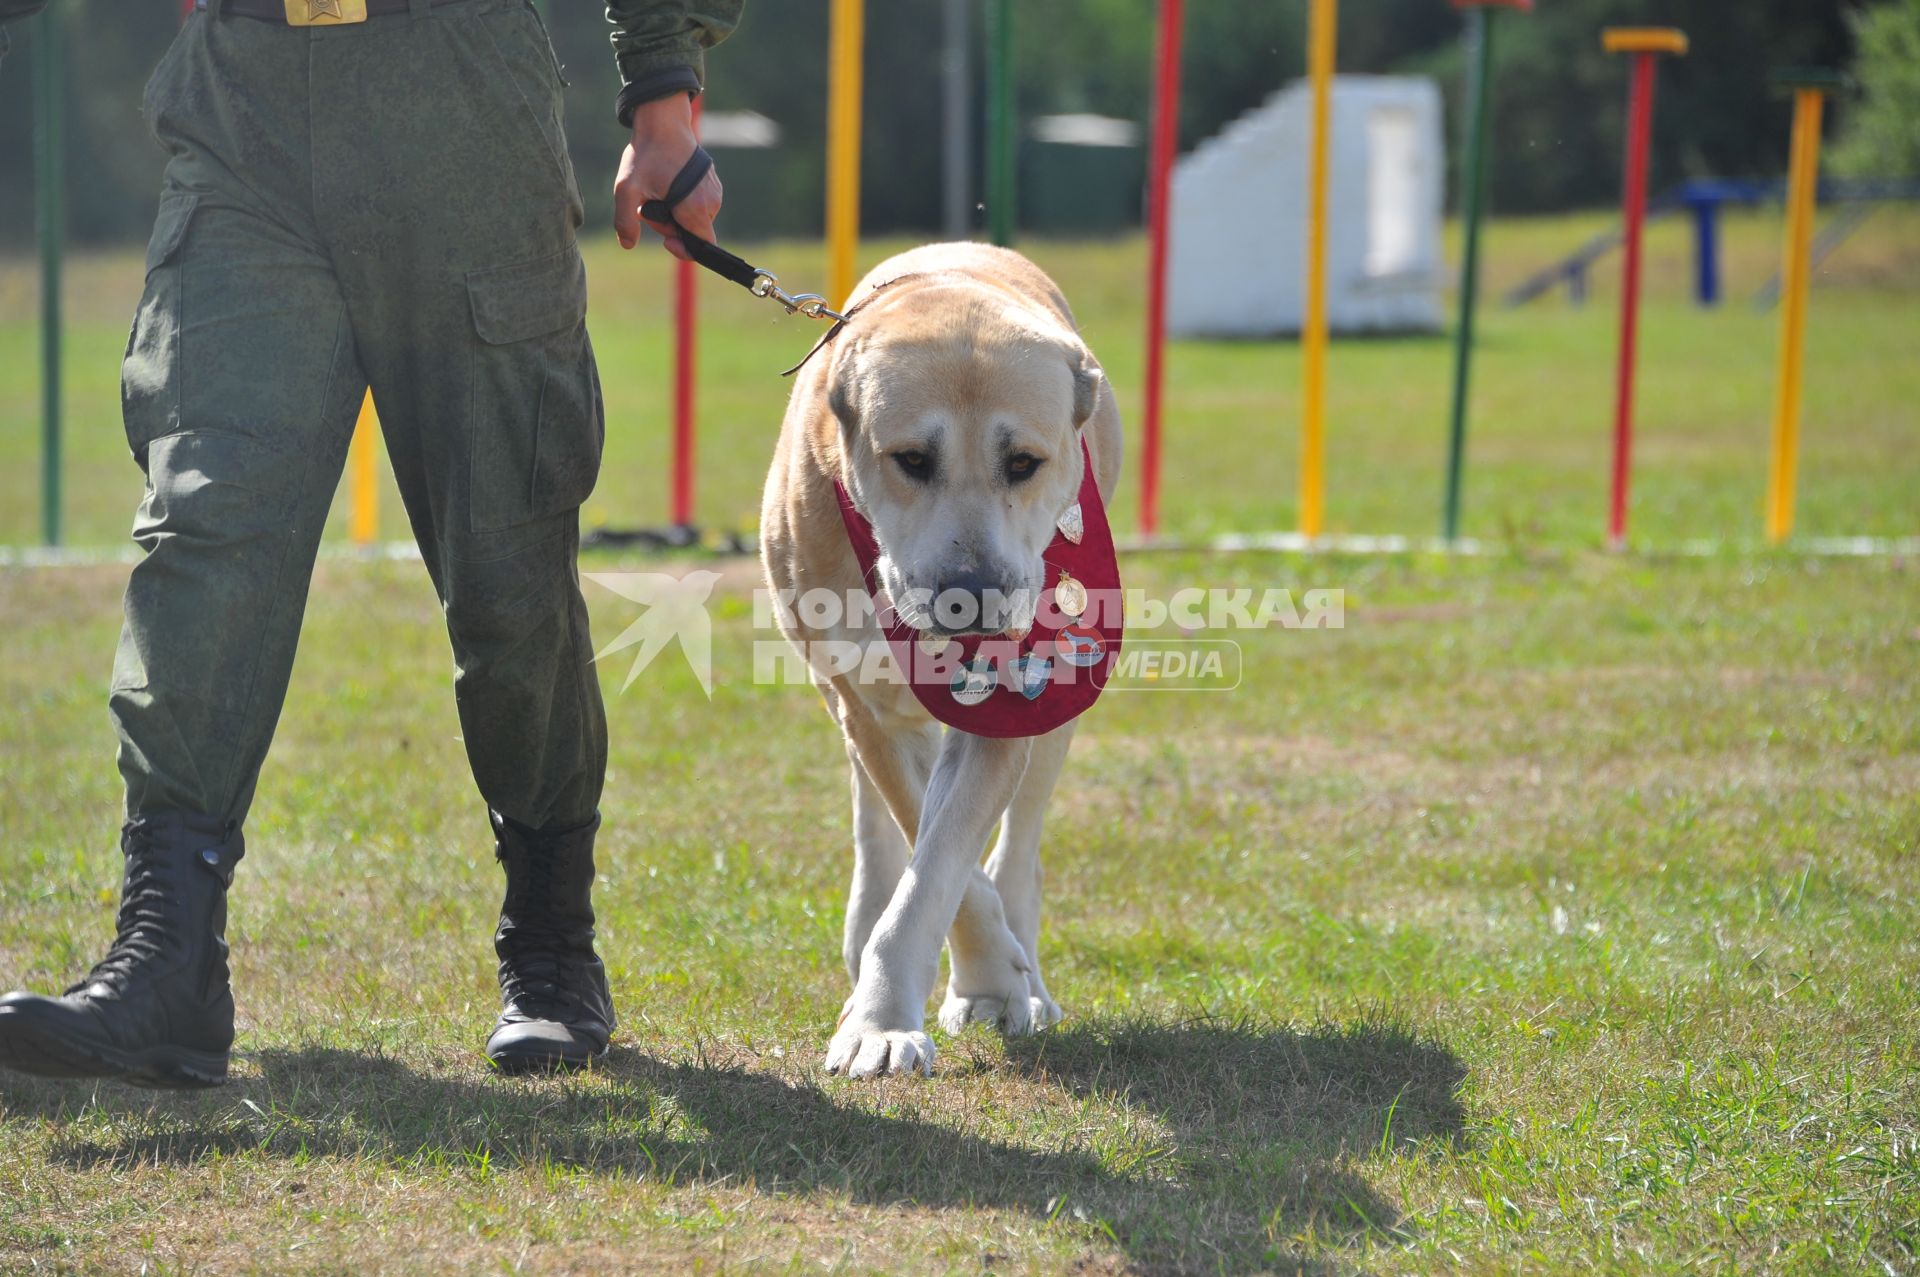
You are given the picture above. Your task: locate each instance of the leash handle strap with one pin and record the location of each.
(703, 251)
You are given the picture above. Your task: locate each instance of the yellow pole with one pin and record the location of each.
(1320, 41)
(1803, 174)
(363, 520)
(843, 145)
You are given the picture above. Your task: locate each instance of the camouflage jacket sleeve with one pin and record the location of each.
(661, 45)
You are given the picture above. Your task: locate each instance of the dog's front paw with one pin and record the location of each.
(991, 984)
(864, 1050)
(1012, 1015)
(1005, 1014)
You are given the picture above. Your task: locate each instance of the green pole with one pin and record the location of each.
(1481, 20)
(51, 219)
(1000, 193)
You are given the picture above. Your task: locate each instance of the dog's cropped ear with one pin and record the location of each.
(844, 387)
(1087, 380)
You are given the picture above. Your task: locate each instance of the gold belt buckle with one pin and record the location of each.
(325, 13)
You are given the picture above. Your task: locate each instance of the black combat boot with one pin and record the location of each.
(558, 1011)
(157, 1010)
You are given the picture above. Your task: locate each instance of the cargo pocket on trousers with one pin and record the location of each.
(537, 422)
(150, 370)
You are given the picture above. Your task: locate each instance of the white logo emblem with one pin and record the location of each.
(676, 610)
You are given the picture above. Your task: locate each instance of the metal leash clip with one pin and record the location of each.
(717, 259)
(812, 305)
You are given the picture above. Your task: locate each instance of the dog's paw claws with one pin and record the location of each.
(1013, 1016)
(868, 1052)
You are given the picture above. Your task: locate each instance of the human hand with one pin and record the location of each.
(663, 139)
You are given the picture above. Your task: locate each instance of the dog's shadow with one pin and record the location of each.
(1237, 1137)
(1270, 1129)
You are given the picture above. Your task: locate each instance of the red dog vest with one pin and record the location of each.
(1000, 685)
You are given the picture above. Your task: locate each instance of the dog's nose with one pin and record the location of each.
(961, 602)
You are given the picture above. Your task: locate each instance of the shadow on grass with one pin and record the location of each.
(1270, 1129)
(1223, 1147)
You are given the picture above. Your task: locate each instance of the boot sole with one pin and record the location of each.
(25, 1048)
(517, 1063)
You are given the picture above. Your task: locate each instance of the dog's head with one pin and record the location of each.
(960, 414)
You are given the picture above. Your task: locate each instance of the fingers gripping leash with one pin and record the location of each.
(705, 252)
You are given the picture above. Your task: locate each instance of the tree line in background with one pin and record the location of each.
(1883, 133)
(1559, 102)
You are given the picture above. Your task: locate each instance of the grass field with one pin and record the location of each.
(1556, 914)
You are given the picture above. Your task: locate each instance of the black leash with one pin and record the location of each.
(728, 266)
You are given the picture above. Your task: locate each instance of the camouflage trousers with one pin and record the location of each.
(386, 204)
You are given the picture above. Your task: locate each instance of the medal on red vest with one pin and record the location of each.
(1017, 684)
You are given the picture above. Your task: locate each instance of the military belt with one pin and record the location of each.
(314, 13)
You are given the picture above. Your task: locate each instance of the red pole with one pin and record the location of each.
(684, 296)
(186, 9)
(1633, 207)
(1166, 121)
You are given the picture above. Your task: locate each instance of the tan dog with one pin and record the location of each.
(951, 407)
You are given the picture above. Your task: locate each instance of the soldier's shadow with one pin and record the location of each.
(1238, 1136)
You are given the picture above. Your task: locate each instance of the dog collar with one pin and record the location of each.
(1005, 685)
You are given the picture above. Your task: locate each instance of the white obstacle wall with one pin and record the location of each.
(1237, 250)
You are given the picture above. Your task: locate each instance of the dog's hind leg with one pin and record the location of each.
(1014, 869)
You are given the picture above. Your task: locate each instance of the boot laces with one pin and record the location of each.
(543, 963)
(141, 926)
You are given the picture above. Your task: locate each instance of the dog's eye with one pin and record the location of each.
(914, 463)
(1022, 466)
